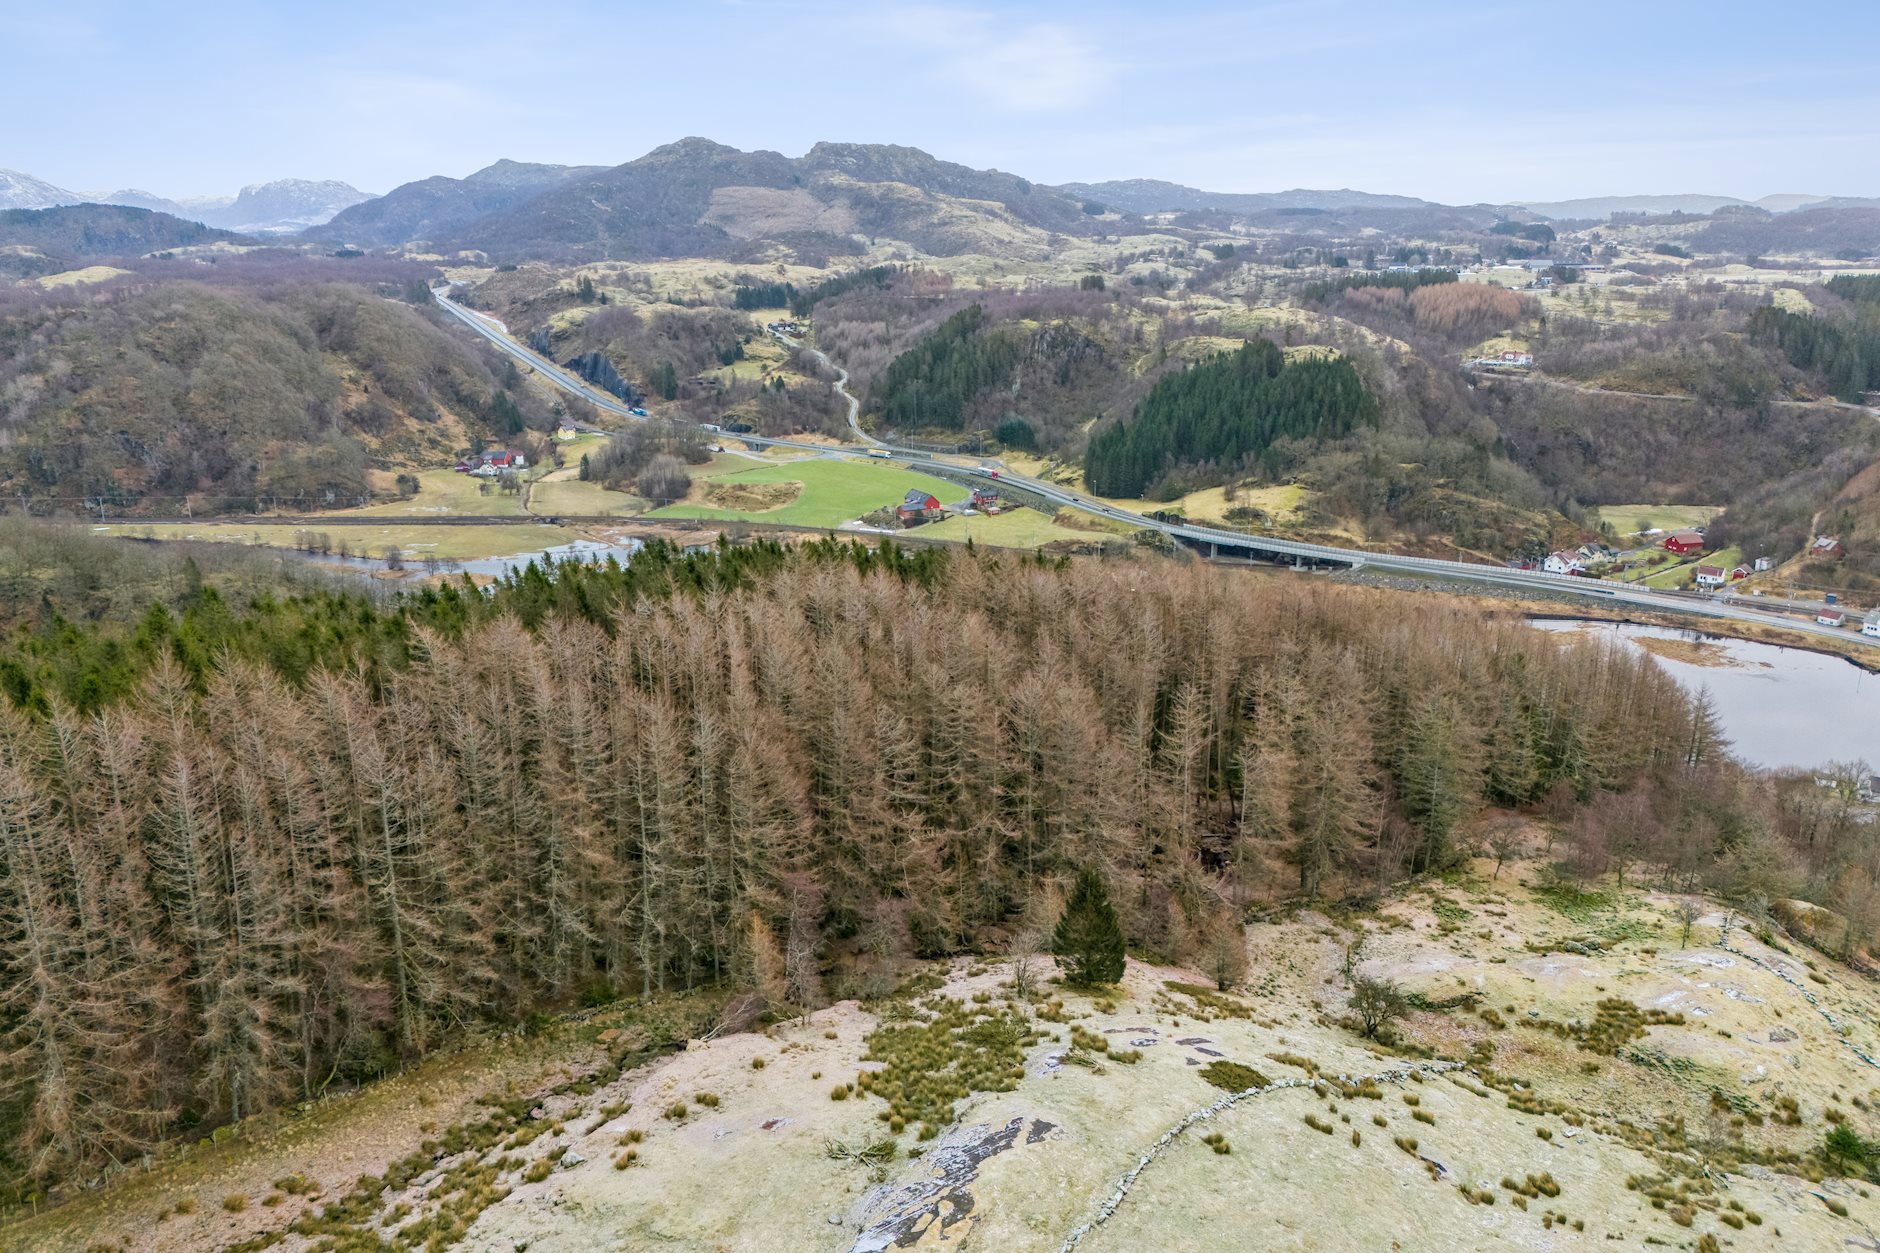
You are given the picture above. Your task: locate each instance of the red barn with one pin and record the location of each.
(1683, 543)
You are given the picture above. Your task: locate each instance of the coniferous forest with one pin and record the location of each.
(1224, 411)
(298, 842)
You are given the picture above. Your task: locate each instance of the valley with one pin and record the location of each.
(918, 627)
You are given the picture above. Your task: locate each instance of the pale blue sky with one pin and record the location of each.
(1450, 101)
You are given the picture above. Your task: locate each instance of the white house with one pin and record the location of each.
(1765, 563)
(1710, 576)
(1871, 626)
(1564, 562)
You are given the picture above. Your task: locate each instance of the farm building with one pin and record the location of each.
(1683, 543)
(492, 463)
(1828, 546)
(918, 507)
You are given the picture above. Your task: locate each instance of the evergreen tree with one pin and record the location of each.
(1088, 938)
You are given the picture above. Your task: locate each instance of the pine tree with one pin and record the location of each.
(1088, 939)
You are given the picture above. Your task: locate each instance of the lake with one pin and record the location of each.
(1781, 707)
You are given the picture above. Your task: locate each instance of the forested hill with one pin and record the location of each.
(81, 232)
(1227, 412)
(1841, 347)
(258, 868)
(248, 386)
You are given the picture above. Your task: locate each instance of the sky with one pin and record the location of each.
(1460, 103)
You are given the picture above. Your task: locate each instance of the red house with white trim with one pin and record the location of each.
(918, 507)
(1684, 543)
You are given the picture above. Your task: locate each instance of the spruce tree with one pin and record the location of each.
(1088, 940)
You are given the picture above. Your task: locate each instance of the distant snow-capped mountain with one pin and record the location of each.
(23, 191)
(286, 205)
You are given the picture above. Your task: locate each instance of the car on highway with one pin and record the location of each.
(636, 411)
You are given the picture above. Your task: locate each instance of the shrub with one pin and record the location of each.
(538, 1172)
(1377, 1003)
(1318, 1124)
(1232, 1076)
(676, 1111)
(1423, 1116)
(235, 1203)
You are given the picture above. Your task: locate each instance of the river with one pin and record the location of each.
(495, 567)
(1781, 707)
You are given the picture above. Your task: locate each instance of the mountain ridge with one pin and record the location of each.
(1151, 195)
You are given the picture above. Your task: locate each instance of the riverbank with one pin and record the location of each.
(1539, 603)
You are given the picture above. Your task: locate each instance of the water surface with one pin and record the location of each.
(1781, 707)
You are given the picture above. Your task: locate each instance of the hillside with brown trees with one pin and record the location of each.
(264, 871)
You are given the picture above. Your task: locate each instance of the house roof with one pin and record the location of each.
(1684, 537)
(1715, 572)
(917, 499)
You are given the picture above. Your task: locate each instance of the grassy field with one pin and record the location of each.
(1632, 519)
(89, 274)
(572, 496)
(833, 492)
(1020, 528)
(1282, 502)
(448, 493)
(414, 539)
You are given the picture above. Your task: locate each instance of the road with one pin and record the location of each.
(1215, 542)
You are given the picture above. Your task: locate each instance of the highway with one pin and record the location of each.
(1215, 542)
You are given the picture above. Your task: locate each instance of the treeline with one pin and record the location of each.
(752, 296)
(1450, 311)
(1843, 352)
(764, 296)
(239, 883)
(1862, 289)
(1226, 411)
(873, 276)
(931, 385)
(1321, 290)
